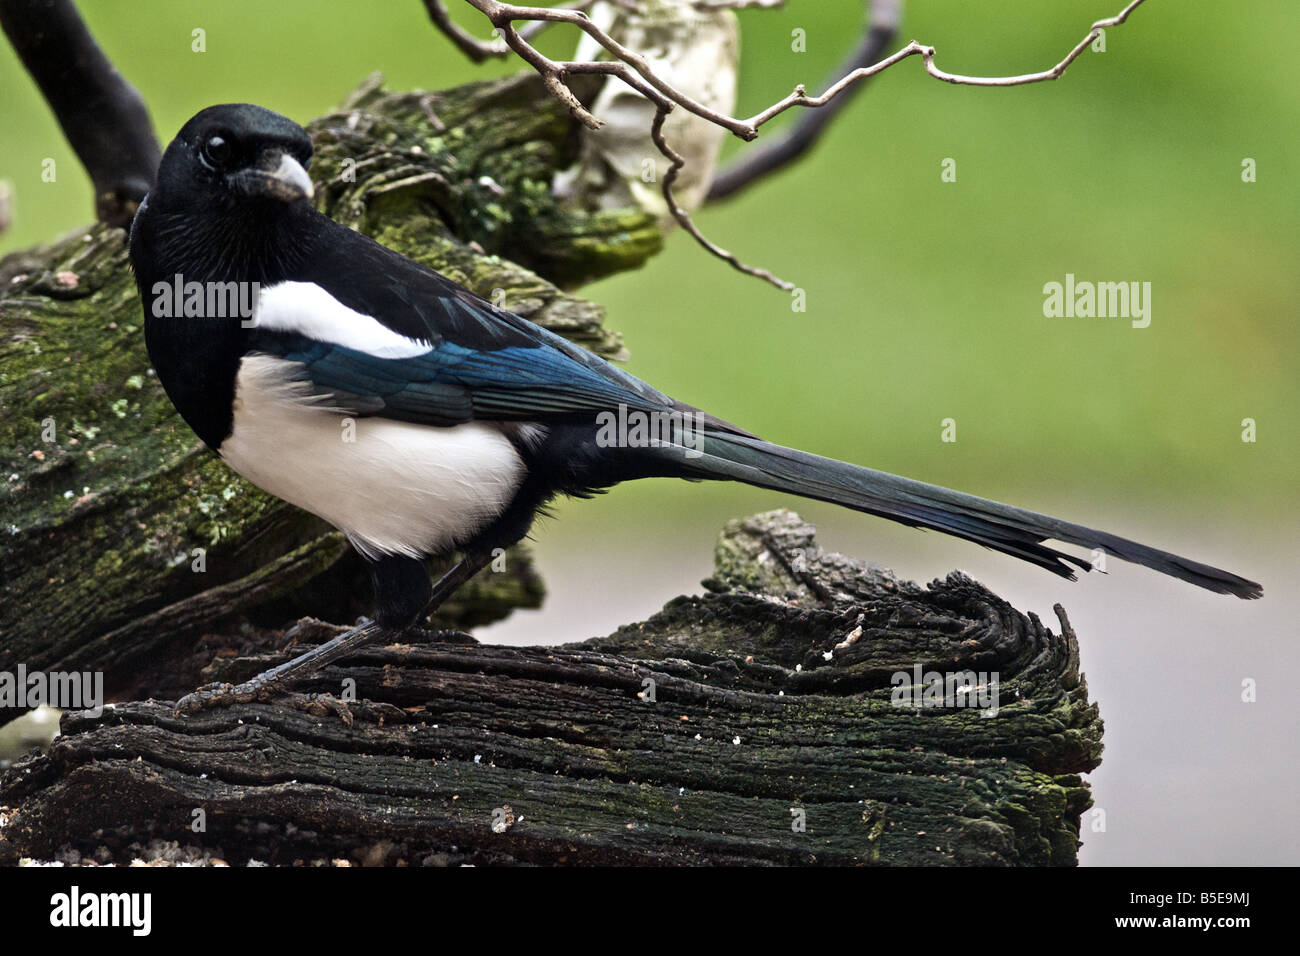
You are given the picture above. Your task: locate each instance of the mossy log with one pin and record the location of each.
(122, 541)
(759, 723)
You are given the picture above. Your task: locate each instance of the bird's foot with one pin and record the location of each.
(422, 635)
(214, 696)
(270, 683)
(319, 705)
(348, 711)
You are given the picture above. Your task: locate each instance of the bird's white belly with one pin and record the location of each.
(391, 487)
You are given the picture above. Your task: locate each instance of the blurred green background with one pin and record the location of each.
(924, 297)
(925, 303)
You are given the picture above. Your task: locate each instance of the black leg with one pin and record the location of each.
(450, 582)
(223, 695)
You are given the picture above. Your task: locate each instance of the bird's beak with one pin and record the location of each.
(277, 176)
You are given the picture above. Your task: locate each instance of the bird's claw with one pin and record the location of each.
(320, 705)
(212, 696)
(421, 635)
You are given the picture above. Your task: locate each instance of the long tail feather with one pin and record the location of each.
(1004, 528)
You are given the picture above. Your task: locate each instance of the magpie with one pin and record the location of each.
(466, 420)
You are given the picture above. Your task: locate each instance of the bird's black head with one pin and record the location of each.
(235, 157)
(229, 211)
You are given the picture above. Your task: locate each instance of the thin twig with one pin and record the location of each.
(480, 50)
(477, 50)
(632, 69)
(800, 96)
(676, 162)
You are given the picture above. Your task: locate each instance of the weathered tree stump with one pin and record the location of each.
(755, 724)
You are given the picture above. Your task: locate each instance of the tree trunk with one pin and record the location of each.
(760, 723)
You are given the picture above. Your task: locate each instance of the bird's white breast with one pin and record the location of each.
(391, 487)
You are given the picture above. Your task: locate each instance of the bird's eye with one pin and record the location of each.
(216, 151)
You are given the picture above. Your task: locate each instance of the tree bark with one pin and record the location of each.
(705, 735)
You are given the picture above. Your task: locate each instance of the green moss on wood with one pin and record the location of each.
(751, 718)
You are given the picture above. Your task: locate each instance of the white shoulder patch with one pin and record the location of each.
(309, 310)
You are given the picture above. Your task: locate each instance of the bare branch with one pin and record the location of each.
(477, 50)
(684, 218)
(480, 50)
(101, 114)
(882, 26)
(800, 96)
(632, 69)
